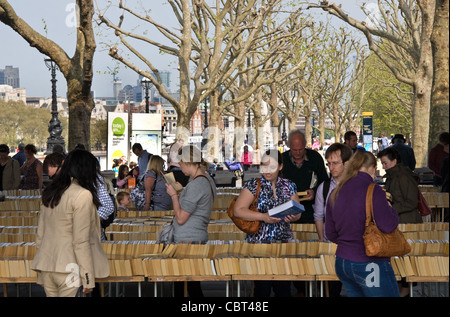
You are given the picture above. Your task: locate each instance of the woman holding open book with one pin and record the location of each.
(68, 248)
(192, 207)
(274, 191)
(361, 275)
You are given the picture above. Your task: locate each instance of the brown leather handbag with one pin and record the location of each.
(378, 243)
(249, 227)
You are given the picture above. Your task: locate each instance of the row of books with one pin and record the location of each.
(425, 226)
(17, 250)
(16, 268)
(229, 235)
(24, 204)
(436, 199)
(18, 229)
(166, 215)
(430, 266)
(221, 248)
(18, 220)
(17, 237)
(19, 193)
(418, 266)
(20, 213)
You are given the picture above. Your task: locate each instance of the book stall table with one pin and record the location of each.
(324, 279)
(266, 277)
(190, 278)
(16, 280)
(118, 280)
(425, 279)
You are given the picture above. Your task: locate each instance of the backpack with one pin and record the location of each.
(326, 189)
(106, 222)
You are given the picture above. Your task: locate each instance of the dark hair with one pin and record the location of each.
(346, 151)
(4, 148)
(136, 146)
(275, 154)
(79, 165)
(120, 172)
(357, 161)
(444, 137)
(391, 153)
(31, 148)
(54, 159)
(348, 135)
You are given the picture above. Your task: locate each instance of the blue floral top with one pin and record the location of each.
(271, 232)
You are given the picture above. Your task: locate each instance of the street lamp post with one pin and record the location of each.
(54, 128)
(283, 134)
(204, 139)
(145, 83)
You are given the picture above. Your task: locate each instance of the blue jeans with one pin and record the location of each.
(367, 279)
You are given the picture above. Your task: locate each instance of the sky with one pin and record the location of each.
(55, 19)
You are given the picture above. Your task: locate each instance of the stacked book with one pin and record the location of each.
(421, 266)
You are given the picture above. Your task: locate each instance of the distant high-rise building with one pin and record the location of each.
(117, 87)
(165, 78)
(10, 76)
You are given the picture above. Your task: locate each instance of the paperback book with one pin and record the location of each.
(170, 178)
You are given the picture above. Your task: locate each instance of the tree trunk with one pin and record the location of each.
(422, 88)
(439, 117)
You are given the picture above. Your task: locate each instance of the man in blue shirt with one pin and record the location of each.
(143, 158)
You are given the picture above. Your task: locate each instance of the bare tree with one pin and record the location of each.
(77, 70)
(401, 38)
(439, 118)
(204, 46)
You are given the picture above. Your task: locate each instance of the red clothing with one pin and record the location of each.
(246, 158)
(436, 158)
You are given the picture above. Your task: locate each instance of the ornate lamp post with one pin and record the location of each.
(54, 127)
(283, 134)
(145, 83)
(204, 139)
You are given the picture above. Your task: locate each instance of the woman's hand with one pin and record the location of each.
(87, 290)
(268, 219)
(170, 190)
(292, 218)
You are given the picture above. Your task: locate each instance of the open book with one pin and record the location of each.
(290, 207)
(170, 178)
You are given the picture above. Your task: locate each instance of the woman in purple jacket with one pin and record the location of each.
(361, 275)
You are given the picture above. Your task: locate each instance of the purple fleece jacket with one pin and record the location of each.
(345, 219)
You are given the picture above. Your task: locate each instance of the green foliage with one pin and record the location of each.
(389, 100)
(22, 123)
(99, 129)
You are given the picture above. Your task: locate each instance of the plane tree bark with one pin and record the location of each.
(77, 70)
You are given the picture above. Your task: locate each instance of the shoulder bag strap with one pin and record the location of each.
(258, 190)
(210, 187)
(369, 204)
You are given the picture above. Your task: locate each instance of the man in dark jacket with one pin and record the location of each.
(406, 152)
(306, 169)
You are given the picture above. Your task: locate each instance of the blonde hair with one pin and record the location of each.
(121, 195)
(190, 154)
(155, 164)
(357, 161)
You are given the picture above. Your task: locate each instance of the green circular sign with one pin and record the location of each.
(118, 126)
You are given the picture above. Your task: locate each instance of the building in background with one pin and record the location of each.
(10, 76)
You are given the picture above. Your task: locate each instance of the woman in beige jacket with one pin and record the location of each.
(69, 253)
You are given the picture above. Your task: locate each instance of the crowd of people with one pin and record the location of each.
(77, 197)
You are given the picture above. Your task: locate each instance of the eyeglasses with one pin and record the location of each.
(333, 164)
